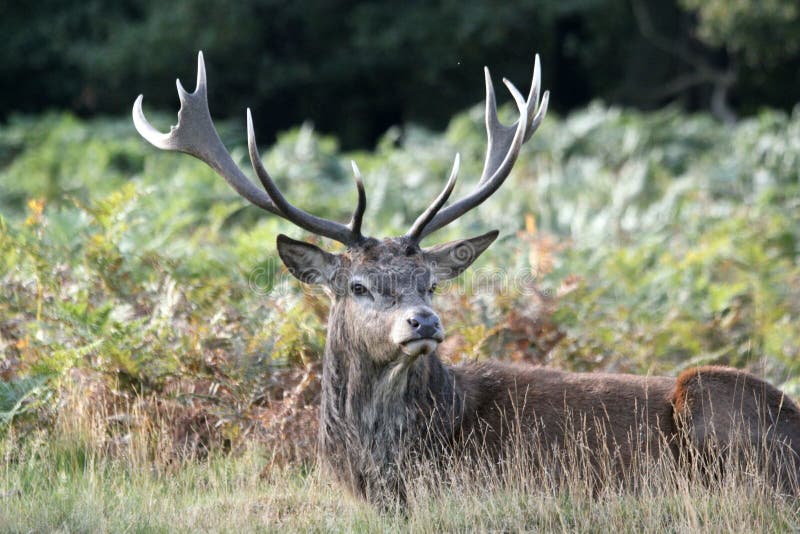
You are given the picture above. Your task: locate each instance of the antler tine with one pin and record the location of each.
(535, 112)
(499, 137)
(358, 213)
(422, 221)
(312, 223)
(503, 146)
(196, 135)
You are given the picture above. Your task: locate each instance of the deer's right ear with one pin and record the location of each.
(308, 263)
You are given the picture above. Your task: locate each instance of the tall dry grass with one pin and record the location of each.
(104, 473)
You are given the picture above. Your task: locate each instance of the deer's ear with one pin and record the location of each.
(448, 260)
(308, 263)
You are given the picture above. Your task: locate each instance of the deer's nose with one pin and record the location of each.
(424, 323)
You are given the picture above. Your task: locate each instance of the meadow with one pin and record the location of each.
(160, 369)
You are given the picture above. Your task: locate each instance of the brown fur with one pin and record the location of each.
(561, 402)
(722, 412)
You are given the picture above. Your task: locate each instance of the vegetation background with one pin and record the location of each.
(151, 344)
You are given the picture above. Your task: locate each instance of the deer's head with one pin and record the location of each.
(381, 289)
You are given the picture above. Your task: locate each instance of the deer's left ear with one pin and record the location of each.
(448, 260)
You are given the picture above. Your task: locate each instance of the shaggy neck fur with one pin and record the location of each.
(378, 415)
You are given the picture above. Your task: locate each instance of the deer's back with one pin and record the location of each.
(612, 412)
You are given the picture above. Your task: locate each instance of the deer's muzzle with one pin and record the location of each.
(418, 332)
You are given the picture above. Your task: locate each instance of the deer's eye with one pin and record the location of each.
(358, 289)
(432, 289)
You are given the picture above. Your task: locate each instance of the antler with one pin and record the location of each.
(347, 234)
(195, 135)
(428, 215)
(503, 146)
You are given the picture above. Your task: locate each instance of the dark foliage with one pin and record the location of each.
(357, 68)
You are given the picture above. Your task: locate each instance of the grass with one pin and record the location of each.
(72, 481)
(63, 489)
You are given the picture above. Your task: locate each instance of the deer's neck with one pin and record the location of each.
(356, 389)
(371, 410)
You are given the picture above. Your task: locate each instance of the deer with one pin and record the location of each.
(386, 394)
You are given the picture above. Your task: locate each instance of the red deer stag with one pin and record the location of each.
(386, 395)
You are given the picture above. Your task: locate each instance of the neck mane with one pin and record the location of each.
(373, 408)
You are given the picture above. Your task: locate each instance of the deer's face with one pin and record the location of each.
(382, 291)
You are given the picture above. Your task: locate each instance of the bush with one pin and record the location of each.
(654, 242)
